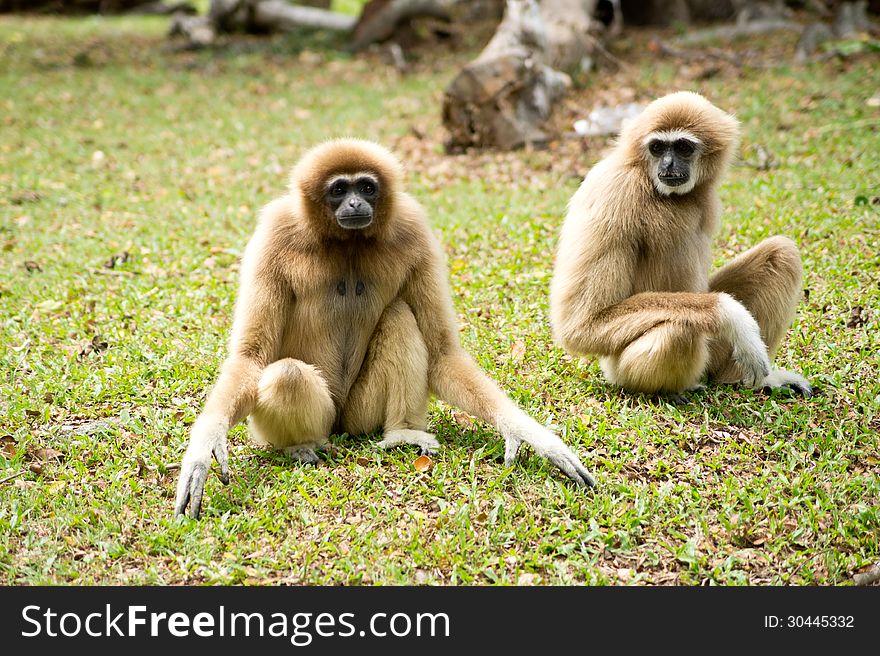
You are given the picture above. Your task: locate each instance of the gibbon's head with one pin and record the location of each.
(681, 140)
(347, 186)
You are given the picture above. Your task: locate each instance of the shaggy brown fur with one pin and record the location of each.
(347, 331)
(631, 280)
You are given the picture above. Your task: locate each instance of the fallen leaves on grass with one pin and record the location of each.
(117, 259)
(858, 316)
(26, 197)
(518, 350)
(8, 446)
(96, 345)
(463, 419)
(89, 426)
(423, 464)
(46, 454)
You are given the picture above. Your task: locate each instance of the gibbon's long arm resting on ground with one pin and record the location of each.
(344, 323)
(631, 281)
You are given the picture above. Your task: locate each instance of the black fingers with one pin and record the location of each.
(574, 470)
(223, 460)
(197, 488)
(586, 477)
(182, 501)
(428, 451)
(803, 389)
(191, 489)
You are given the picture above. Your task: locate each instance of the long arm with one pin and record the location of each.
(455, 378)
(254, 343)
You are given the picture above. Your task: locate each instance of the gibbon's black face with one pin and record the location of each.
(674, 158)
(352, 199)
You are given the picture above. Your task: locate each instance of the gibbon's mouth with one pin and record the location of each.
(673, 180)
(355, 221)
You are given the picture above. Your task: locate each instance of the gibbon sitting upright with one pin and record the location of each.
(344, 323)
(631, 281)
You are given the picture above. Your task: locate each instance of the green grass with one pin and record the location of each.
(104, 369)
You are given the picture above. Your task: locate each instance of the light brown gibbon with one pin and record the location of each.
(631, 281)
(344, 323)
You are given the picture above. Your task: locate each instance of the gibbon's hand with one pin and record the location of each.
(208, 439)
(546, 444)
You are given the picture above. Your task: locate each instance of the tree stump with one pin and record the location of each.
(504, 97)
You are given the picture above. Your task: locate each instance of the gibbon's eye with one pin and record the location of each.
(338, 188)
(684, 147)
(656, 147)
(367, 187)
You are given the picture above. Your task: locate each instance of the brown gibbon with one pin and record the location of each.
(344, 323)
(631, 281)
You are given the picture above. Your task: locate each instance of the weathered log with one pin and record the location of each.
(378, 21)
(160, 8)
(255, 16)
(380, 18)
(279, 16)
(504, 97)
(197, 31)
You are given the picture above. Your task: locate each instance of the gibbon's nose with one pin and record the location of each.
(667, 163)
(354, 203)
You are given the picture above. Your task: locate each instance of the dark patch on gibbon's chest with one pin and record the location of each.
(342, 287)
(352, 293)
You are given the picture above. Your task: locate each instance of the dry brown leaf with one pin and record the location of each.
(518, 350)
(47, 454)
(7, 446)
(423, 463)
(463, 419)
(26, 197)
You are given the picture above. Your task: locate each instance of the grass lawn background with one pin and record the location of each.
(130, 179)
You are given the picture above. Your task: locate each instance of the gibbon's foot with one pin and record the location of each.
(427, 443)
(783, 379)
(680, 398)
(304, 454)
